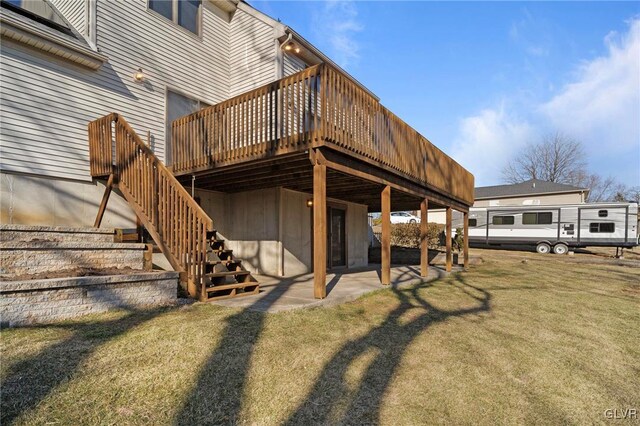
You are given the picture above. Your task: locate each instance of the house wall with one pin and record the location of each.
(271, 229)
(439, 216)
(47, 102)
(75, 11)
(292, 64)
(537, 200)
(29, 200)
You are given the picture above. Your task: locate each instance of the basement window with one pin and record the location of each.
(473, 222)
(185, 13)
(503, 220)
(543, 218)
(600, 227)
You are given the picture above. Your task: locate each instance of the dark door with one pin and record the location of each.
(336, 244)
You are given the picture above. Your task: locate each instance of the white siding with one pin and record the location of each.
(74, 11)
(292, 64)
(252, 54)
(46, 103)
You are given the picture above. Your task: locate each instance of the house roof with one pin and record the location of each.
(529, 187)
(40, 25)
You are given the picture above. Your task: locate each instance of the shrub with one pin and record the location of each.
(408, 234)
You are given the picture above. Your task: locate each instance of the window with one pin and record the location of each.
(597, 227)
(503, 220)
(39, 11)
(473, 222)
(185, 13)
(603, 213)
(542, 218)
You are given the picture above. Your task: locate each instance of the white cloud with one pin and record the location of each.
(488, 140)
(338, 23)
(602, 104)
(600, 107)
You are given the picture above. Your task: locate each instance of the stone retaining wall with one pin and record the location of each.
(10, 232)
(43, 301)
(36, 257)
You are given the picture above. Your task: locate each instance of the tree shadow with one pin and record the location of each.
(217, 396)
(32, 379)
(390, 340)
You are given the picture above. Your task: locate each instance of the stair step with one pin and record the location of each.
(225, 261)
(222, 287)
(226, 274)
(220, 292)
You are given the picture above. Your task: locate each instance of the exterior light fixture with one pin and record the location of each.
(310, 202)
(288, 46)
(297, 49)
(139, 76)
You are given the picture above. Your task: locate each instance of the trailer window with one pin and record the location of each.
(544, 218)
(503, 220)
(473, 222)
(601, 227)
(603, 213)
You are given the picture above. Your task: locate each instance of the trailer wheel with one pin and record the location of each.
(543, 248)
(560, 249)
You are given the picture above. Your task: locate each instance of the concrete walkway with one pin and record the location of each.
(282, 294)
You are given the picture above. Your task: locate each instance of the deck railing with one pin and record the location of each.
(175, 221)
(315, 107)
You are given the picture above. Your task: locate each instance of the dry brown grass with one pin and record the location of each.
(546, 341)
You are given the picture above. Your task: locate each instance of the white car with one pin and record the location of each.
(404, 217)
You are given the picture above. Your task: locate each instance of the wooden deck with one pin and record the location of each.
(273, 130)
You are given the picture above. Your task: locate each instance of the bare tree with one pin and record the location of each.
(603, 189)
(558, 158)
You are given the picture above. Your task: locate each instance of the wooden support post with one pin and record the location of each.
(105, 200)
(424, 238)
(466, 240)
(448, 236)
(319, 231)
(386, 235)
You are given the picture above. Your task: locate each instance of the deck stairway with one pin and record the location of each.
(225, 276)
(178, 225)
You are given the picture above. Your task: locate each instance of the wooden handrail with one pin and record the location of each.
(319, 106)
(175, 221)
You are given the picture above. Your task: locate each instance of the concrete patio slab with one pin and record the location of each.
(282, 294)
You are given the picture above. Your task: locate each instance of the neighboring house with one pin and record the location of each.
(533, 192)
(287, 168)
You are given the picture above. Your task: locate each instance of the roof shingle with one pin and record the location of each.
(529, 187)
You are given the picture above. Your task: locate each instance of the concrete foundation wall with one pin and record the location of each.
(32, 200)
(271, 229)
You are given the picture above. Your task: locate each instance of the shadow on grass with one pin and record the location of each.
(217, 396)
(30, 381)
(219, 393)
(331, 402)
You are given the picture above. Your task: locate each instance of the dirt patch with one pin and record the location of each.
(71, 273)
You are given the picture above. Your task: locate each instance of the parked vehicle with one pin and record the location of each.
(404, 217)
(554, 228)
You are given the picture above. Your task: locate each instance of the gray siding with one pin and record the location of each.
(75, 12)
(46, 102)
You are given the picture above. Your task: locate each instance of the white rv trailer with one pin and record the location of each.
(555, 227)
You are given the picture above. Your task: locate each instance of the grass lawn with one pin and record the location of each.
(546, 341)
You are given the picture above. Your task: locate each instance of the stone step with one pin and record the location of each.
(11, 232)
(21, 258)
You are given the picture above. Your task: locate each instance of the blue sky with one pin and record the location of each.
(482, 79)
